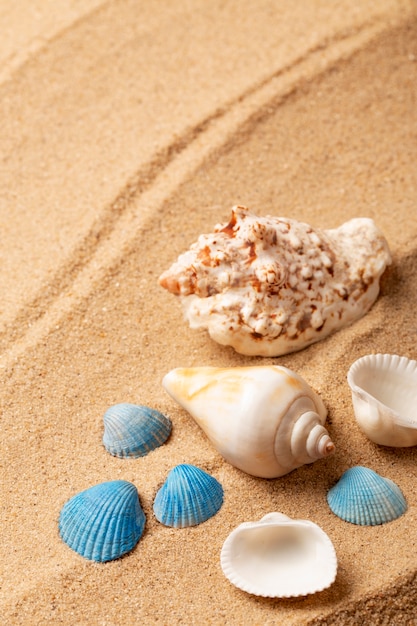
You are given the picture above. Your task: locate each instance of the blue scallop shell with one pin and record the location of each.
(132, 430)
(188, 497)
(364, 497)
(103, 522)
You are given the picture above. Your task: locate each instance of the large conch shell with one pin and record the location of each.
(270, 285)
(264, 420)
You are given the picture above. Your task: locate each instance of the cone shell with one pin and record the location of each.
(384, 396)
(364, 497)
(132, 430)
(269, 285)
(188, 497)
(279, 557)
(103, 522)
(264, 420)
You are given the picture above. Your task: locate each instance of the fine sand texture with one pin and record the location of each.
(128, 129)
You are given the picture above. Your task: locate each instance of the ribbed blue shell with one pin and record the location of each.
(188, 497)
(132, 430)
(103, 522)
(364, 497)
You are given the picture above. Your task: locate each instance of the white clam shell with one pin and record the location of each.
(279, 557)
(384, 396)
(264, 420)
(272, 285)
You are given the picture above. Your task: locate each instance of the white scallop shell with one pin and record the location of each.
(384, 396)
(272, 285)
(265, 420)
(279, 557)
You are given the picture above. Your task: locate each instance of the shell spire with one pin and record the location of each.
(264, 420)
(319, 443)
(268, 286)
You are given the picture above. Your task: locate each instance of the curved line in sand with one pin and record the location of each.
(145, 193)
(16, 60)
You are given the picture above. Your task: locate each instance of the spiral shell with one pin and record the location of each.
(132, 430)
(264, 420)
(188, 497)
(279, 557)
(103, 522)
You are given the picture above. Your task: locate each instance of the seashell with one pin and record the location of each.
(188, 497)
(103, 522)
(384, 396)
(132, 430)
(364, 497)
(279, 557)
(264, 420)
(271, 285)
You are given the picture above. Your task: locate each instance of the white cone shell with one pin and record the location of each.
(260, 419)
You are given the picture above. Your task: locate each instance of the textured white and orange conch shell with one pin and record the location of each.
(270, 285)
(264, 420)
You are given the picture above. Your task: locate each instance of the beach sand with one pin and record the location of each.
(126, 132)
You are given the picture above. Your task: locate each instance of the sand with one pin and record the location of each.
(126, 131)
